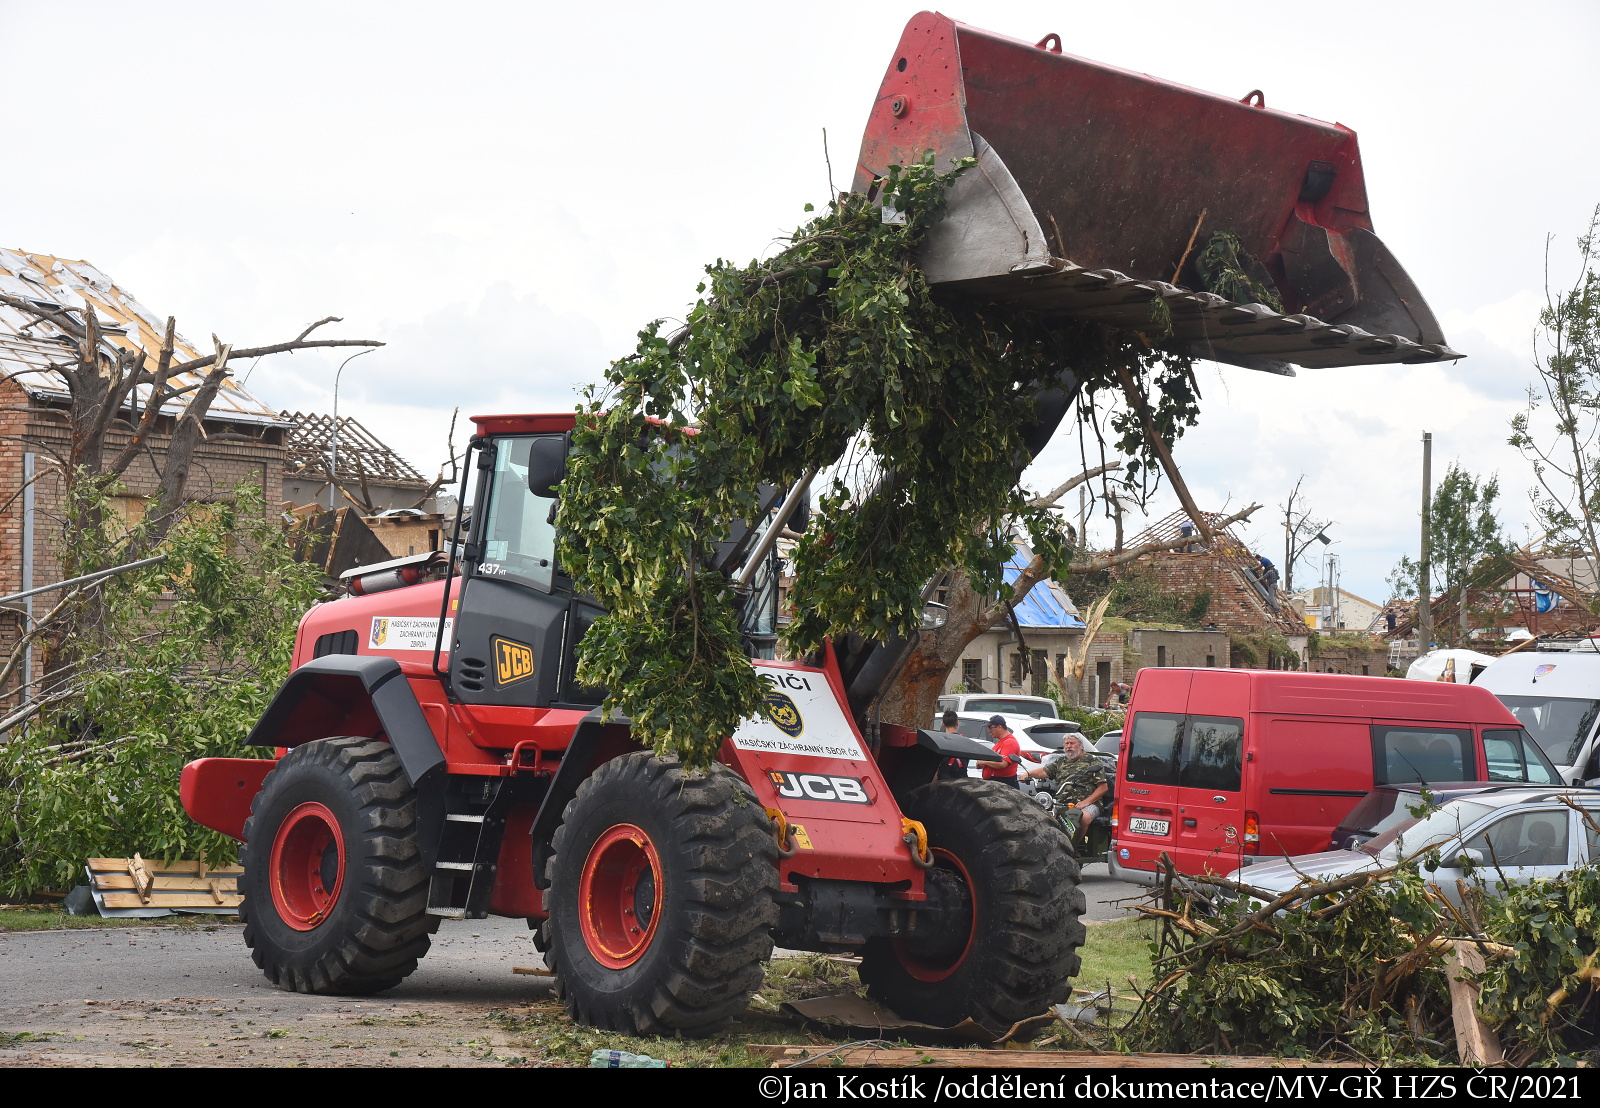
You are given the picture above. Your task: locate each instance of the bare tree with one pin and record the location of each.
(103, 383)
(1300, 530)
(111, 389)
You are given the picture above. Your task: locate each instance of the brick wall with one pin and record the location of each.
(1236, 604)
(219, 466)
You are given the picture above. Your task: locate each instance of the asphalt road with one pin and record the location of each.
(191, 996)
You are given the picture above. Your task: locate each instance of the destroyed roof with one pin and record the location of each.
(29, 349)
(1230, 554)
(361, 454)
(1047, 603)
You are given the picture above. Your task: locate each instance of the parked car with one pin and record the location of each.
(1110, 743)
(993, 704)
(1555, 695)
(1485, 835)
(1220, 768)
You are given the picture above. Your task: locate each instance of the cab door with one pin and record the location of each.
(1521, 846)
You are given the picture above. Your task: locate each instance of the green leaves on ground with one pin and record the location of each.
(181, 660)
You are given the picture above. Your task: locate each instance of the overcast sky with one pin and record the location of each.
(506, 193)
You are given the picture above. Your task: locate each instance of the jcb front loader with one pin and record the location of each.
(438, 759)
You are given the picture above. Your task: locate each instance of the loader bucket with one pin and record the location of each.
(1096, 190)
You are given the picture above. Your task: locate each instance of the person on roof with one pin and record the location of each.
(1267, 574)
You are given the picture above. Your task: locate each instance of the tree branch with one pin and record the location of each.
(1049, 499)
(1136, 401)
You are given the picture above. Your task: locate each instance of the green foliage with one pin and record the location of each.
(1262, 650)
(1560, 444)
(1137, 596)
(1229, 271)
(1286, 989)
(1357, 972)
(1552, 927)
(1094, 724)
(1463, 531)
(830, 353)
(180, 663)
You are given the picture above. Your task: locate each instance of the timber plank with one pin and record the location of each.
(171, 899)
(120, 881)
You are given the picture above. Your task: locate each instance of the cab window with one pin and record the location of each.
(1512, 755)
(519, 537)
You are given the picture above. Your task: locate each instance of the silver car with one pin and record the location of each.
(1500, 834)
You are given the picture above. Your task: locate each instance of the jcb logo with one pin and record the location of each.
(513, 662)
(814, 786)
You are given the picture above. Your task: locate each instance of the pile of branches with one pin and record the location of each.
(1360, 967)
(832, 356)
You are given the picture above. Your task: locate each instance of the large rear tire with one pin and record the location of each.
(334, 890)
(661, 898)
(1014, 949)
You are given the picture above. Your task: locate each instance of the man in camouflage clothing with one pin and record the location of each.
(1081, 780)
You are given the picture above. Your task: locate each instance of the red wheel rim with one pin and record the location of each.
(619, 896)
(919, 965)
(307, 868)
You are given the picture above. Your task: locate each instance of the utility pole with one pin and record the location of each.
(1425, 581)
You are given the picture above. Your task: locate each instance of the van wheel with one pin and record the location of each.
(1009, 948)
(334, 891)
(660, 898)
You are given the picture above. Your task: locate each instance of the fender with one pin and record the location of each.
(595, 740)
(353, 694)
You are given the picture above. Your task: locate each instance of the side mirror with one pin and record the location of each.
(934, 615)
(1463, 858)
(547, 464)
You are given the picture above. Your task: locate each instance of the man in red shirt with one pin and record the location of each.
(1005, 745)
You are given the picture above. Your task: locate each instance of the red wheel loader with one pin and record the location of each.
(438, 759)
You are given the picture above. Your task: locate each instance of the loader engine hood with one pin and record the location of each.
(1096, 189)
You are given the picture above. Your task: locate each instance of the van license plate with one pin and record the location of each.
(1149, 826)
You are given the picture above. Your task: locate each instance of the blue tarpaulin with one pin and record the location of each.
(1047, 603)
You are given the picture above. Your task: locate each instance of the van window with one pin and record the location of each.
(1153, 750)
(1212, 754)
(948, 704)
(1510, 755)
(1427, 754)
(1558, 724)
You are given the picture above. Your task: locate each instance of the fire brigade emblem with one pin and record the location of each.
(780, 708)
(380, 631)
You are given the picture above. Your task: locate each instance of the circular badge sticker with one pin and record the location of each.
(780, 708)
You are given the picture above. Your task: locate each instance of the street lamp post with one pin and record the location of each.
(333, 462)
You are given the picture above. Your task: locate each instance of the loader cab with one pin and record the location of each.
(517, 623)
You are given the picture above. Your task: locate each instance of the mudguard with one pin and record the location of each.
(353, 694)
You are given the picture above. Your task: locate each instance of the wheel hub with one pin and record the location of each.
(619, 896)
(306, 870)
(939, 948)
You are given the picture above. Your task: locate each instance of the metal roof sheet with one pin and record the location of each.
(29, 349)
(1047, 603)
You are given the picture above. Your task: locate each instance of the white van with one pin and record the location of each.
(1556, 697)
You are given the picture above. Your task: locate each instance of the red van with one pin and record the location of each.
(1219, 767)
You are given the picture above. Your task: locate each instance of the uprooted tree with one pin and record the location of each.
(833, 356)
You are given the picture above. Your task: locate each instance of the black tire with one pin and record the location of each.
(1026, 918)
(707, 914)
(369, 936)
